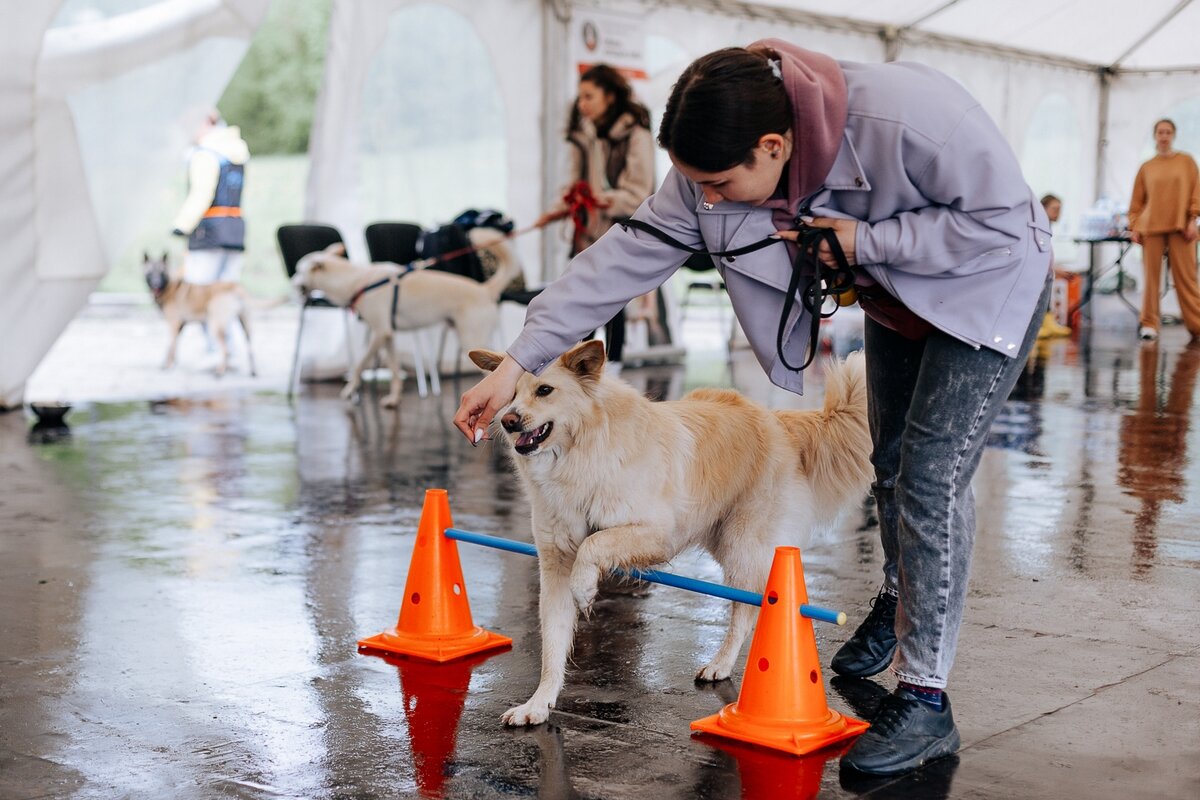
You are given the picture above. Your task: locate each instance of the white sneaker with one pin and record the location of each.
(1147, 333)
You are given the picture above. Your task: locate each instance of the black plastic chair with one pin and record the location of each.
(295, 242)
(398, 242)
(393, 241)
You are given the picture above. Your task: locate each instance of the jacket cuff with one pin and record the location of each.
(529, 354)
(868, 241)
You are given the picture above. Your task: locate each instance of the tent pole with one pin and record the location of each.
(556, 17)
(1105, 74)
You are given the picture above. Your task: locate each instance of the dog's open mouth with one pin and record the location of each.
(528, 441)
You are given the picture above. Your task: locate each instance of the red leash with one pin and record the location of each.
(580, 203)
(423, 263)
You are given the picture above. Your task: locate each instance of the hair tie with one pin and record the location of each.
(776, 68)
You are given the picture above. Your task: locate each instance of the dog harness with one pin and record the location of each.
(394, 280)
(824, 281)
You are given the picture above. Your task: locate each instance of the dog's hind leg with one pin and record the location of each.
(557, 614)
(389, 352)
(474, 327)
(355, 377)
(244, 318)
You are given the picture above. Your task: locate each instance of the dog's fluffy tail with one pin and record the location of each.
(835, 443)
(507, 266)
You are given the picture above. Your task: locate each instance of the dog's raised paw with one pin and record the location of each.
(584, 585)
(529, 713)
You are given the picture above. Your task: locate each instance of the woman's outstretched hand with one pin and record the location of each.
(481, 402)
(845, 230)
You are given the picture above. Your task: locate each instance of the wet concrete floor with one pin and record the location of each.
(182, 585)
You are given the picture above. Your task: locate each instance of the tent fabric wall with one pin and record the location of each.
(53, 250)
(1012, 58)
(25, 341)
(511, 32)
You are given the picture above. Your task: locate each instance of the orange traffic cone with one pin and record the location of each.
(782, 702)
(435, 617)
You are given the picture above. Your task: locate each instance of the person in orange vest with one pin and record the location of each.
(211, 216)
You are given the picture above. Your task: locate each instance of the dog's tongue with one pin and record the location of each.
(528, 437)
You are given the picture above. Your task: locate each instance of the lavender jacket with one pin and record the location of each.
(947, 225)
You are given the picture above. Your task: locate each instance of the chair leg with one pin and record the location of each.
(419, 364)
(435, 377)
(349, 346)
(291, 390)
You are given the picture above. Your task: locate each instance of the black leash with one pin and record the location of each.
(824, 281)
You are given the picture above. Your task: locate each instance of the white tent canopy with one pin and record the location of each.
(99, 97)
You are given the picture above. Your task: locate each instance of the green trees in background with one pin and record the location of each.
(273, 93)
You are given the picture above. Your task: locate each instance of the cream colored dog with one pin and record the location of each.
(618, 481)
(426, 297)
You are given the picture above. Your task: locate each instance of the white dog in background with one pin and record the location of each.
(618, 481)
(410, 300)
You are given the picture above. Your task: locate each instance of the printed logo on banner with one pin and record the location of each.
(605, 37)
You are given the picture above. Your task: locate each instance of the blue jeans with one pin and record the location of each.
(931, 403)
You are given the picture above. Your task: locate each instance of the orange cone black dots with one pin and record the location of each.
(782, 702)
(435, 616)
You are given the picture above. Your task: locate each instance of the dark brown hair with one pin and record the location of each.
(720, 107)
(612, 83)
(1169, 122)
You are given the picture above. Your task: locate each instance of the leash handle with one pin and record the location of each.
(826, 282)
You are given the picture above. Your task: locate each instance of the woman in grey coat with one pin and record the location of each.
(951, 256)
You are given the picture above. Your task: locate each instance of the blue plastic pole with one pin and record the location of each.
(654, 576)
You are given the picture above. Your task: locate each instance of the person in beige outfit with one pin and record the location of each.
(1163, 219)
(612, 155)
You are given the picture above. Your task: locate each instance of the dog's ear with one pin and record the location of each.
(337, 248)
(585, 360)
(486, 359)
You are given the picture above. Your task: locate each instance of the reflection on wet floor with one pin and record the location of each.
(183, 584)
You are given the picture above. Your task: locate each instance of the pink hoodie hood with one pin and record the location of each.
(817, 90)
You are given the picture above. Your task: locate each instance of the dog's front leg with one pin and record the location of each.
(176, 326)
(745, 567)
(612, 548)
(355, 381)
(557, 614)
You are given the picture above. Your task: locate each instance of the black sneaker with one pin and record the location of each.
(907, 734)
(869, 651)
